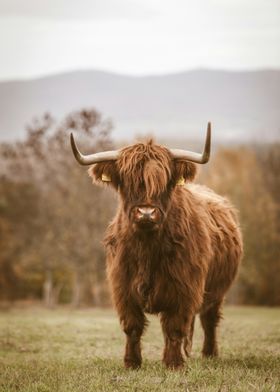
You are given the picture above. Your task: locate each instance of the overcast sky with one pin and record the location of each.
(39, 37)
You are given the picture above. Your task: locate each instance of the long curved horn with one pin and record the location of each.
(92, 158)
(194, 156)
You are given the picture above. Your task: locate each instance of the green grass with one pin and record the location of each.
(81, 350)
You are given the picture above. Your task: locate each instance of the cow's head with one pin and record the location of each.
(145, 175)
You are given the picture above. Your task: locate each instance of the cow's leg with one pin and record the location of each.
(174, 329)
(133, 322)
(209, 320)
(189, 338)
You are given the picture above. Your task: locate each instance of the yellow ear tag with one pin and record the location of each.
(105, 178)
(181, 181)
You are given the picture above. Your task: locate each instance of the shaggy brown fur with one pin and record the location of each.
(177, 267)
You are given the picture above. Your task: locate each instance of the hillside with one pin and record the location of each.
(242, 106)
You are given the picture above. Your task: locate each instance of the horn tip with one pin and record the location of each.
(207, 148)
(208, 136)
(73, 144)
(75, 150)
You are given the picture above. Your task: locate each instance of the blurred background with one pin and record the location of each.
(113, 72)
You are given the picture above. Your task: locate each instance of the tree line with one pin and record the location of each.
(52, 219)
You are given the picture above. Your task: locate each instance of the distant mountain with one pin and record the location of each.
(242, 106)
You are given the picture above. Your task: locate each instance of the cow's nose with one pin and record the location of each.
(146, 212)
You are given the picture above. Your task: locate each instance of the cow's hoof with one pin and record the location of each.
(132, 364)
(174, 364)
(210, 353)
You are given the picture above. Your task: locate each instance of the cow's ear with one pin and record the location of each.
(184, 172)
(105, 173)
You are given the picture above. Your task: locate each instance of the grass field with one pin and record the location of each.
(81, 350)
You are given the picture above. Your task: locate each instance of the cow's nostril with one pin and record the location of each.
(146, 211)
(147, 216)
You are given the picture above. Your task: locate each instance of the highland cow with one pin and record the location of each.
(173, 248)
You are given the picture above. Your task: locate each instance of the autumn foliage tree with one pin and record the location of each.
(61, 256)
(250, 177)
